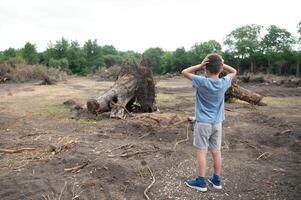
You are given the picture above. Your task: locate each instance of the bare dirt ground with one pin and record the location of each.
(80, 158)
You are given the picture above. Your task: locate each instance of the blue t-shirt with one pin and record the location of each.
(209, 98)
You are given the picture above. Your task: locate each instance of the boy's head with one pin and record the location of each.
(215, 64)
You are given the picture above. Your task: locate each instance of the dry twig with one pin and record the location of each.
(15, 150)
(120, 147)
(152, 183)
(131, 154)
(265, 155)
(77, 168)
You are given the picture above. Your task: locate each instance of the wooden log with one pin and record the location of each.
(236, 91)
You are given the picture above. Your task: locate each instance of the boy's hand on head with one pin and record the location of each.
(204, 63)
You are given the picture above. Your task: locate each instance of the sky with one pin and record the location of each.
(137, 24)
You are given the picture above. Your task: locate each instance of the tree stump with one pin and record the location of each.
(134, 90)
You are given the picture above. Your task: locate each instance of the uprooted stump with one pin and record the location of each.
(236, 91)
(134, 90)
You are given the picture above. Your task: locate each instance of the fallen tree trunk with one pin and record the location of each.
(134, 90)
(235, 91)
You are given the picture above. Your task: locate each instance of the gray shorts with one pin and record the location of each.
(206, 135)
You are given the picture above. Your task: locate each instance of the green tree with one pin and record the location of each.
(61, 63)
(200, 50)
(61, 48)
(179, 60)
(76, 59)
(167, 66)
(30, 54)
(244, 43)
(93, 55)
(9, 53)
(109, 49)
(154, 57)
(125, 55)
(111, 59)
(276, 42)
(57, 51)
(298, 53)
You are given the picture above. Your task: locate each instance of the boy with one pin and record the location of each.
(209, 112)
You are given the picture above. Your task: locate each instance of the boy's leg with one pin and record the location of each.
(200, 141)
(215, 142)
(202, 133)
(201, 162)
(217, 160)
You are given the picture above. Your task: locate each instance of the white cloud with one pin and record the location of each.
(137, 24)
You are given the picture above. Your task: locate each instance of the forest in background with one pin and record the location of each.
(246, 48)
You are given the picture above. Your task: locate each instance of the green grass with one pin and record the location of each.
(57, 111)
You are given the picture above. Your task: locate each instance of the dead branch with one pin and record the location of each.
(131, 154)
(150, 185)
(265, 155)
(77, 168)
(120, 147)
(175, 124)
(144, 135)
(286, 131)
(15, 150)
(183, 140)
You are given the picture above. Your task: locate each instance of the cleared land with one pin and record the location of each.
(74, 157)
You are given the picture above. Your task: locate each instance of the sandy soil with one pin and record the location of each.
(261, 152)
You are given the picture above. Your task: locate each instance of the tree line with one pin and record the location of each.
(245, 48)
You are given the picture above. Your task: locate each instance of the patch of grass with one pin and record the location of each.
(282, 101)
(165, 98)
(57, 111)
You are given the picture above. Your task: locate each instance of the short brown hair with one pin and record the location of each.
(215, 63)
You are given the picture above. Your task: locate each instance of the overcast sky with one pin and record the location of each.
(137, 24)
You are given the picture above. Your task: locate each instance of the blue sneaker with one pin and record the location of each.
(199, 183)
(215, 181)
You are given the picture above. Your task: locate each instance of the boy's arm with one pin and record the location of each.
(231, 70)
(189, 72)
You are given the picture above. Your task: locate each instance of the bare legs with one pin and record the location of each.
(201, 156)
(217, 162)
(202, 162)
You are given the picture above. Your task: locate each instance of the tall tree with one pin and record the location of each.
(154, 57)
(93, 55)
(30, 54)
(276, 42)
(76, 59)
(298, 53)
(200, 50)
(9, 53)
(244, 43)
(179, 60)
